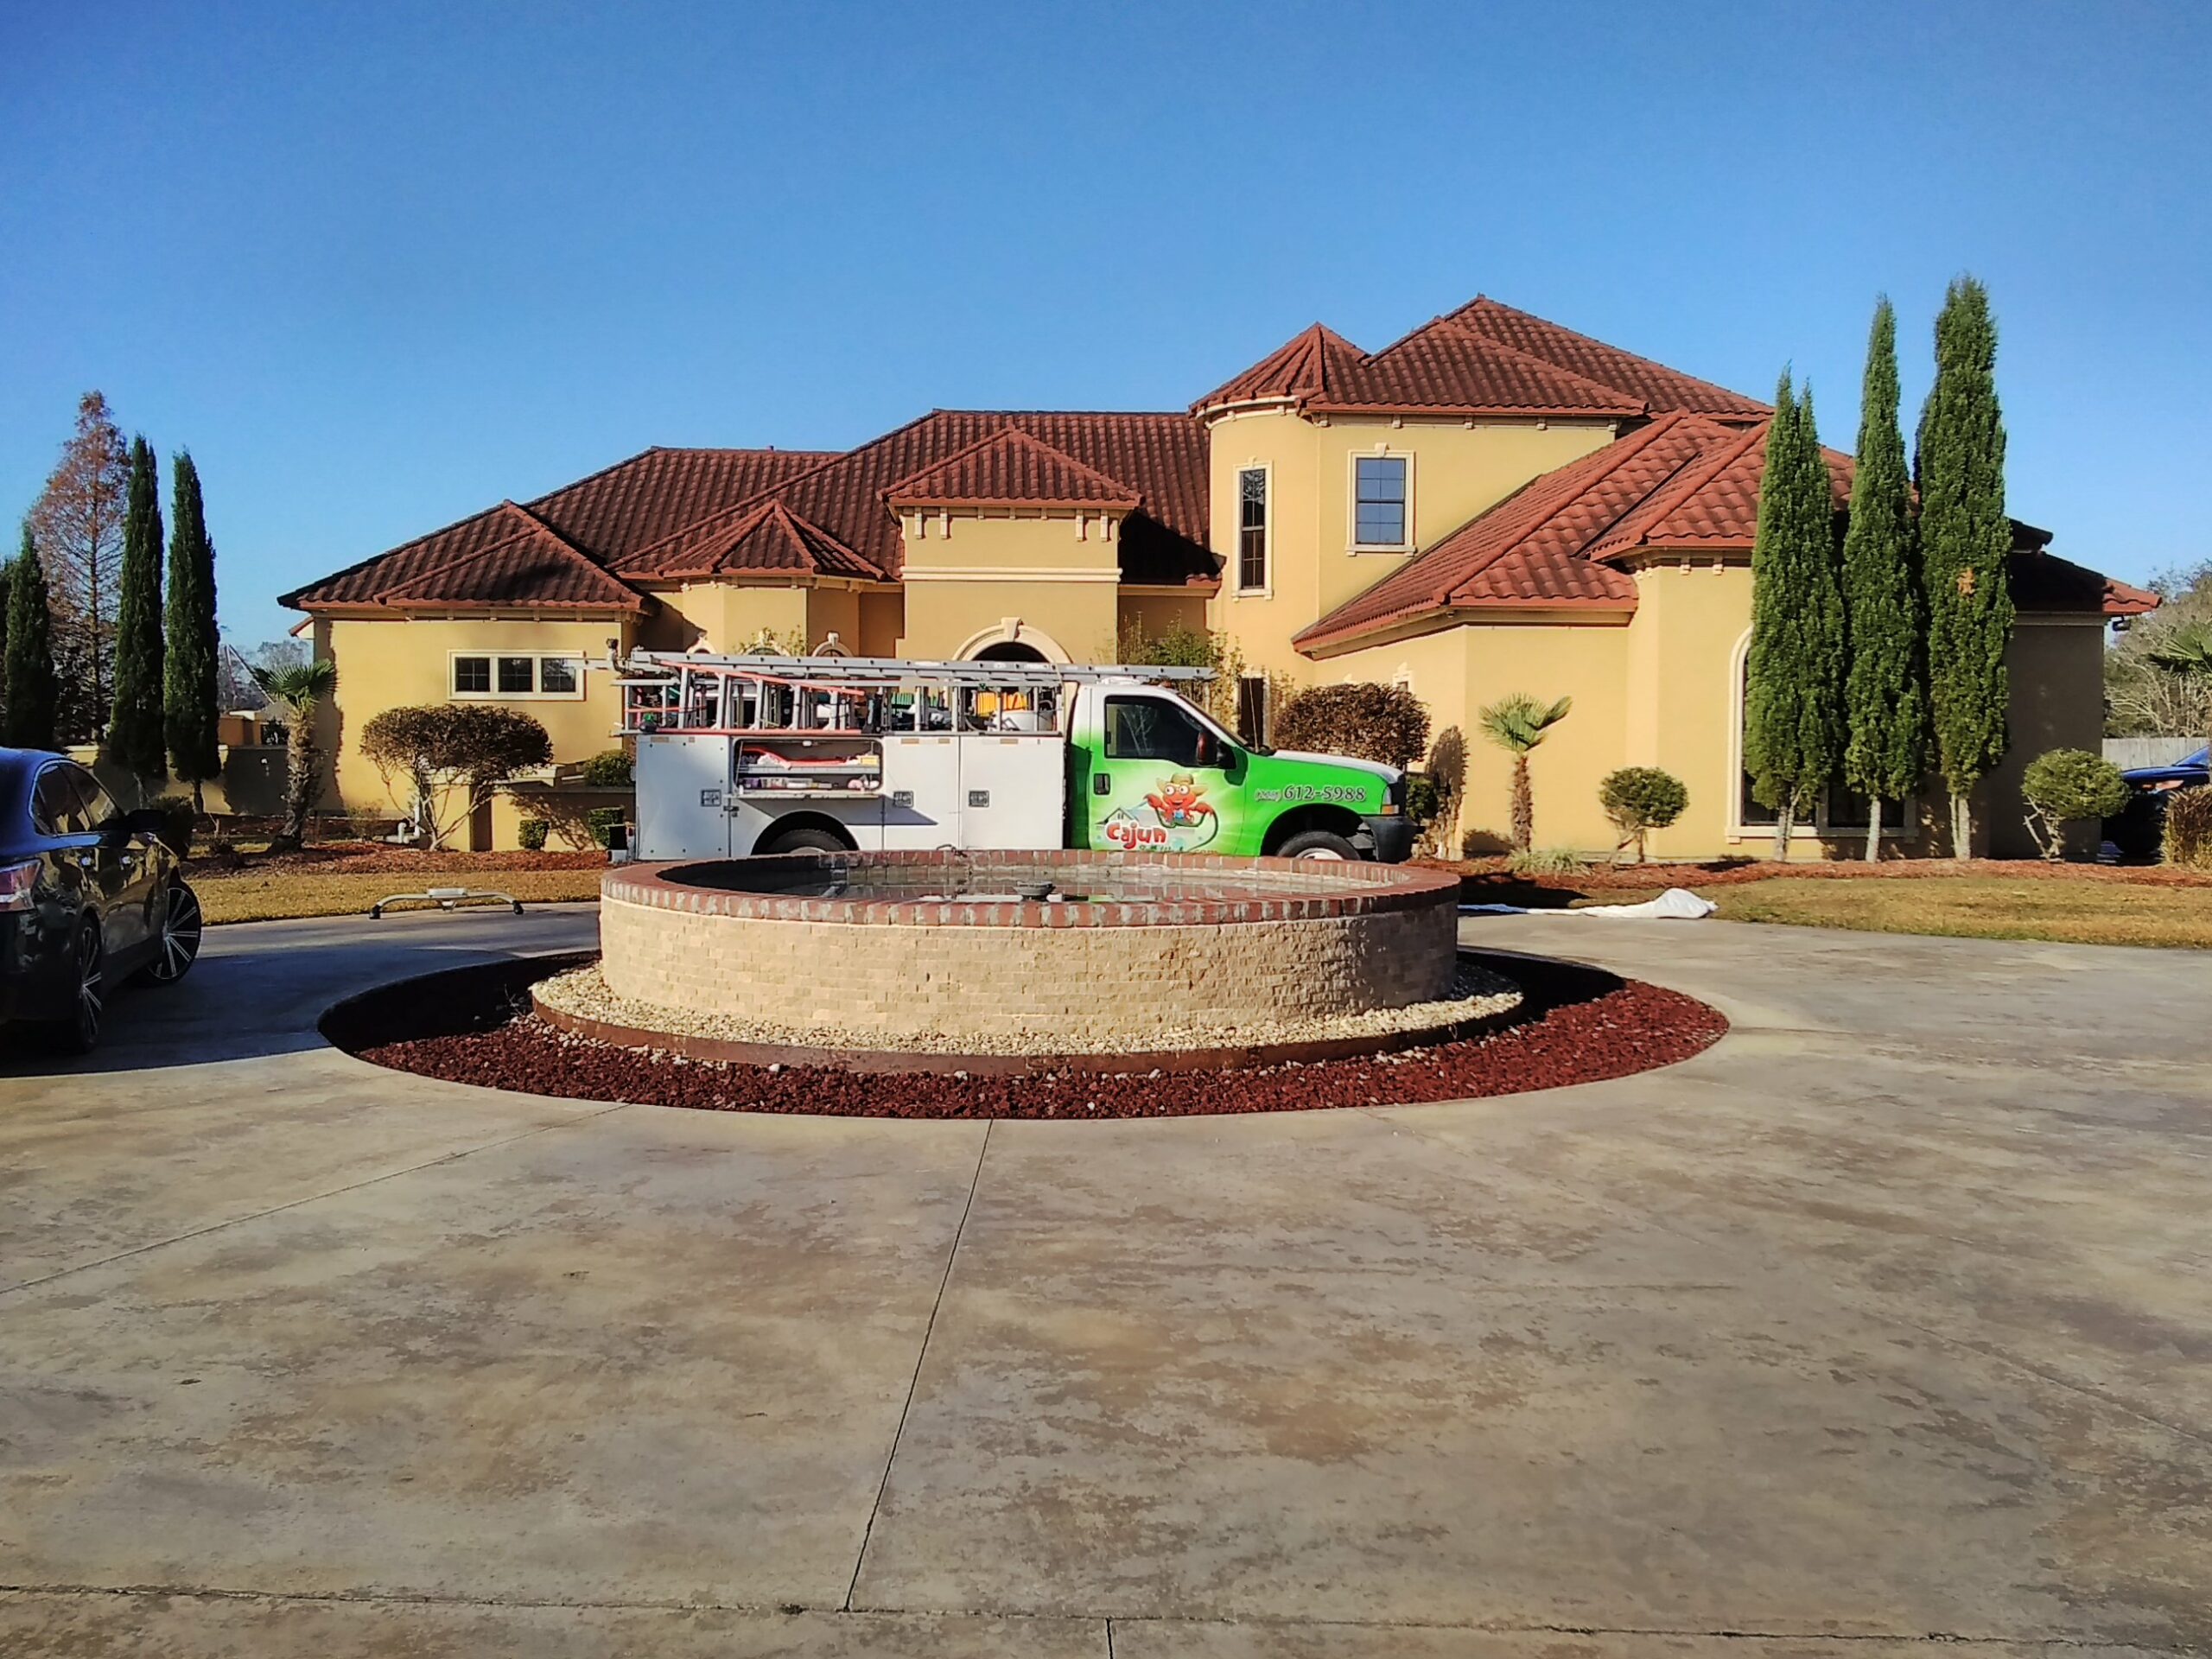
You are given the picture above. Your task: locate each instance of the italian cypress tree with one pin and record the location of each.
(1964, 539)
(188, 709)
(133, 730)
(1793, 695)
(1886, 691)
(29, 706)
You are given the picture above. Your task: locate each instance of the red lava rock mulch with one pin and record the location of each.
(1585, 1026)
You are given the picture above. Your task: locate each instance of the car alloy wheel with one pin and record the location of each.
(81, 1030)
(180, 937)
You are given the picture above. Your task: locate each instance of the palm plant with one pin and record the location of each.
(300, 690)
(1516, 723)
(2188, 652)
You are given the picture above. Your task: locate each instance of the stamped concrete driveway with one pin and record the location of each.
(1887, 1322)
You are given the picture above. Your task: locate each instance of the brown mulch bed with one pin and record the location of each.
(1582, 1026)
(1489, 880)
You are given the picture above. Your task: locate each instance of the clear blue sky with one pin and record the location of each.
(379, 266)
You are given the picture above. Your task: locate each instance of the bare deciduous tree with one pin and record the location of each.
(78, 521)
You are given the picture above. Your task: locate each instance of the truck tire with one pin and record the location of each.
(806, 841)
(1316, 843)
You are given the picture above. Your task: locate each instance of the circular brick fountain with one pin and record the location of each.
(904, 960)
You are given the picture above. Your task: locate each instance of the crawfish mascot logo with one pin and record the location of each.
(1179, 808)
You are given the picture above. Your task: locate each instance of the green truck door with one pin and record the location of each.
(1156, 780)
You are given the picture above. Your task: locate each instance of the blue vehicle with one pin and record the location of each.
(2138, 828)
(90, 895)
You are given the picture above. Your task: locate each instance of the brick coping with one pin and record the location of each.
(1360, 889)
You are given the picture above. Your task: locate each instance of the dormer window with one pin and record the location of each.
(1252, 529)
(1379, 516)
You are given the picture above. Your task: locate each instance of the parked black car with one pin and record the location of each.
(90, 895)
(2138, 828)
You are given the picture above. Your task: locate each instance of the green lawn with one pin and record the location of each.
(260, 896)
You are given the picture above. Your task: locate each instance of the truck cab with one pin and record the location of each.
(1149, 771)
(746, 754)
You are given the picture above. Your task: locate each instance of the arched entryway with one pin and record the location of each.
(1010, 651)
(1012, 640)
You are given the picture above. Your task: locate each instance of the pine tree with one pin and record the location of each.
(188, 699)
(1886, 691)
(1793, 696)
(1965, 537)
(27, 706)
(134, 729)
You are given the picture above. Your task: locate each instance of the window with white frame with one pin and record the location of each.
(1379, 502)
(508, 675)
(1252, 529)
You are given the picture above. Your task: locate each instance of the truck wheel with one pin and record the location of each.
(1316, 843)
(806, 841)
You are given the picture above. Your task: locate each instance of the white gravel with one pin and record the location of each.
(584, 994)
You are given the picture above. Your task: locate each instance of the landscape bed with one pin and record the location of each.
(1575, 1024)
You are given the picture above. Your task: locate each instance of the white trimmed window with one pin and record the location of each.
(1252, 530)
(1382, 502)
(502, 676)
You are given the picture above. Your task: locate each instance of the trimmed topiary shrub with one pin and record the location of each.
(1639, 799)
(609, 769)
(2188, 829)
(531, 834)
(603, 821)
(2065, 787)
(1375, 722)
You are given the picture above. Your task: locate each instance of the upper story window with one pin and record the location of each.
(1379, 501)
(540, 676)
(1252, 528)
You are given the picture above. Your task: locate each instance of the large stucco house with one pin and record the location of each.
(1492, 504)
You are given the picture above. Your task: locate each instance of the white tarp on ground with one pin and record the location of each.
(1676, 905)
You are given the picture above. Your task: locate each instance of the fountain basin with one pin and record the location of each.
(1129, 952)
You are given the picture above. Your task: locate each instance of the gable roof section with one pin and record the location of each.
(1483, 358)
(2044, 582)
(1009, 468)
(759, 536)
(523, 561)
(604, 517)
(1160, 457)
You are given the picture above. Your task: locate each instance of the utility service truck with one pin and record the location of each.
(745, 754)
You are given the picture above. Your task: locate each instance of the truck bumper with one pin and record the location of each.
(1392, 839)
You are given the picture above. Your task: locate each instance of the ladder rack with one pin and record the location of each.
(855, 696)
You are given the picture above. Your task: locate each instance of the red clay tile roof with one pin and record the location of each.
(606, 516)
(1009, 468)
(758, 535)
(1162, 457)
(1310, 364)
(523, 562)
(1483, 358)
(1663, 391)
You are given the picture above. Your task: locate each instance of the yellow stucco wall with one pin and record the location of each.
(388, 663)
(1459, 669)
(1152, 616)
(726, 615)
(2057, 672)
(1456, 471)
(991, 567)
